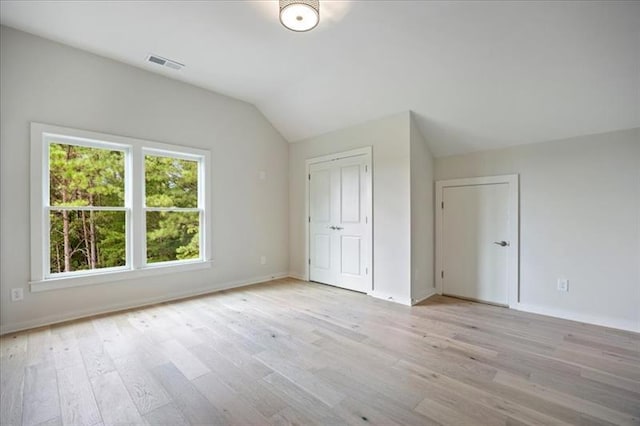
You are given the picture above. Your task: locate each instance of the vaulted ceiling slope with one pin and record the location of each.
(477, 75)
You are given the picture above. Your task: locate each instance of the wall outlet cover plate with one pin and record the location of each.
(563, 284)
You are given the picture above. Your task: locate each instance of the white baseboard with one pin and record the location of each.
(574, 316)
(81, 313)
(390, 298)
(625, 325)
(423, 298)
(297, 276)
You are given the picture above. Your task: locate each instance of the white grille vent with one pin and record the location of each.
(159, 60)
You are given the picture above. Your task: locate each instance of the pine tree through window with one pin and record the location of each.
(171, 211)
(87, 214)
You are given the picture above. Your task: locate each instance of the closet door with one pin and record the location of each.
(322, 201)
(339, 241)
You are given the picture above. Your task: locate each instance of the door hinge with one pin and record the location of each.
(366, 271)
(309, 261)
(366, 169)
(442, 205)
(366, 220)
(309, 219)
(309, 176)
(441, 274)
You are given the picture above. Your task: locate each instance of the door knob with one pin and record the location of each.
(336, 228)
(501, 243)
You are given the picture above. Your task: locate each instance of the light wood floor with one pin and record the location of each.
(296, 353)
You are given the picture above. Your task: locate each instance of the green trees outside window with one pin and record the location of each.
(171, 189)
(89, 218)
(81, 177)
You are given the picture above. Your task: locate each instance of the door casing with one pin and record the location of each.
(513, 258)
(368, 153)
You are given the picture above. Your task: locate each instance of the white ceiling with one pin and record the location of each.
(478, 75)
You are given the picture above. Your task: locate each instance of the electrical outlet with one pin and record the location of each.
(263, 260)
(563, 284)
(17, 294)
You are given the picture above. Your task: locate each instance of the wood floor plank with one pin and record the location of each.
(355, 412)
(168, 415)
(39, 350)
(106, 327)
(234, 408)
(96, 360)
(57, 421)
(193, 405)
(304, 379)
(41, 401)
(301, 400)
(447, 415)
(290, 417)
(147, 394)
(12, 365)
(184, 360)
(265, 402)
(618, 368)
(77, 402)
(13, 345)
(65, 349)
(377, 397)
(592, 409)
(479, 395)
(597, 393)
(241, 381)
(612, 380)
(114, 401)
(234, 353)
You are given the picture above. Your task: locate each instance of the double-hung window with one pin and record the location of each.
(108, 207)
(173, 206)
(86, 206)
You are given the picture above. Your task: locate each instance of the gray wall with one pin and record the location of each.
(389, 138)
(422, 222)
(51, 83)
(579, 219)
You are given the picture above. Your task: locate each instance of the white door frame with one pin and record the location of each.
(367, 152)
(513, 259)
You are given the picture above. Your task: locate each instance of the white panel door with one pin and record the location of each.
(320, 205)
(338, 220)
(475, 229)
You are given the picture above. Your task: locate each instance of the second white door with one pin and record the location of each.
(475, 242)
(339, 243)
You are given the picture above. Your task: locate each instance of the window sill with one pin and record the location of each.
(112, 276)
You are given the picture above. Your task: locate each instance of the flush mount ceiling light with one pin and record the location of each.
(300, 15)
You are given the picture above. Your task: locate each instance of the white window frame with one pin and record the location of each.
(134, 207)
(200, 208)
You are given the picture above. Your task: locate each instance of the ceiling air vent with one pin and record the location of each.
(159, 60)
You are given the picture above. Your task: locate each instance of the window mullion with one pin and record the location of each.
(172, 209)
(204, 250)
(138, 226)
(87, 208)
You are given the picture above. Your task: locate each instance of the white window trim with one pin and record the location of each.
(201, 209)
(135, 150)
(49, 137)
